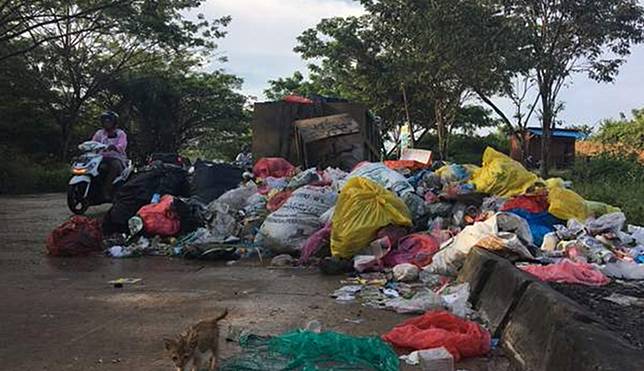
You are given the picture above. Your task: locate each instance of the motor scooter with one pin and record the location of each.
(86, 185)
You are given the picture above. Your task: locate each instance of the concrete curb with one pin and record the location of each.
(540, 328)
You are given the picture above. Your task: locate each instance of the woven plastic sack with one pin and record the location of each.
(568, 272)
(502, 176)
(277, 200)
(306, 350)
(566, 204)
(273, 166)
(362, 209)
(160, 218)
(462, 338)
(76, 237)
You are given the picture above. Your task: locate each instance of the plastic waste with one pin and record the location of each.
(78, 236)
(536, 203)
(119, 252)
(272, 166)
(278, 200)
(160, 218)
(417, 248)
(237, 199)
(379, 173)
(624, 270)
(568, 271)
(502, 176)
(362, 209)
(282, 260)
(307, 350)
(314, 243)
(436, 359)
(455, 298)
(462, 338)
(406, 272)
(486, 234)
(422, 301)
(636, 233)
(595, 251)
(287, 229)
(598, 209)
(613, 222)
(346, 293)
(566, 204)
(540, 223)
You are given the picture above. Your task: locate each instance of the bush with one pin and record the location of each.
(467, 149)
(614, 180)
(20, 174)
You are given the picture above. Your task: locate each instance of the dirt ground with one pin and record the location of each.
(61, 313)
(625, 320)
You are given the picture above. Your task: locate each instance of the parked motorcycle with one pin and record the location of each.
(86, 185)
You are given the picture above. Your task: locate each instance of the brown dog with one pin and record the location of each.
(197, 348)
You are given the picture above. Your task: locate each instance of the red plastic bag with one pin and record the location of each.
(531, 203)
(272, 166)
(278, 200)
(76, 237)
(417, 248)
(160, 219)
(568, 271)
(462, 338)
(405, 164)
(297, 99)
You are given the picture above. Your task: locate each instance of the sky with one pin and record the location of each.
(263, 33)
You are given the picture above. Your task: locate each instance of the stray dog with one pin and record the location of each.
(197, 348)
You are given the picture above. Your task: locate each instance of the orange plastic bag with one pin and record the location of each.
(405, 164)
(160, 219)
(462, 338)
(276, 167)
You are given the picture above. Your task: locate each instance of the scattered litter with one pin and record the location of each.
(119, 282)
(625, 300)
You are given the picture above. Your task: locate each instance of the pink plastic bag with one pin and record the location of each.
(462, 338)
(272, 166)
(568, 272)
(314, 243)
(417, 248)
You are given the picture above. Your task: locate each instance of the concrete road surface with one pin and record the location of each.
(61, 313)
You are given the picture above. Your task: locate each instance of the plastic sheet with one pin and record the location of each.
(502, 176)
(362, 209)
(307, 350)
(462, 338)
(540, 223)
(314, 243)
(568, 272)
(566, 204)
(537, 203)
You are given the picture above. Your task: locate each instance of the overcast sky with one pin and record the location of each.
(262, 34)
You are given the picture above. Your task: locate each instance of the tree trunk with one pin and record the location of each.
(545, 139)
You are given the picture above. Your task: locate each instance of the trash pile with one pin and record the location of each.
(402, 229)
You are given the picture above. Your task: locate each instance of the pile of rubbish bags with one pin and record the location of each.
(402, 229)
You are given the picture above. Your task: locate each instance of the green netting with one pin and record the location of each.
(308, 351)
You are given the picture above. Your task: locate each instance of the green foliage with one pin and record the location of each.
(468, 149)
(20, 174)
(623, 131)
(615, 180)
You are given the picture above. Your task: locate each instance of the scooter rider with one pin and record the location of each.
(114, 157)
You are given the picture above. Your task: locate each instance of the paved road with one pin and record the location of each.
(61, 314)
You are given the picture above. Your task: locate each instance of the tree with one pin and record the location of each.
(169, 110)
(78, 52)
(567, 37)
(417, 62)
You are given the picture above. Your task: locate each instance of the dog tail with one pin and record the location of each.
(222, 315)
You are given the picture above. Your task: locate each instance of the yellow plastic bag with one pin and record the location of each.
(502, 176)
(598, 209)
(566, 204)
(362, 209)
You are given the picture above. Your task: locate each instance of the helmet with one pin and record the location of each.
(109, 116)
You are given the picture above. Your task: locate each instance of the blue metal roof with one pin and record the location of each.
(566, 133)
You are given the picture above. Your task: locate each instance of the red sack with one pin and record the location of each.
(78, 236)
(297, 99)
(531, 203)
(417, 248)
(272, 166)
(405, 164)
(160, 219)
(462, 338)
(278, 200)
(568, 271)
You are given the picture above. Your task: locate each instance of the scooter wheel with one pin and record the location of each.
(75, 199)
